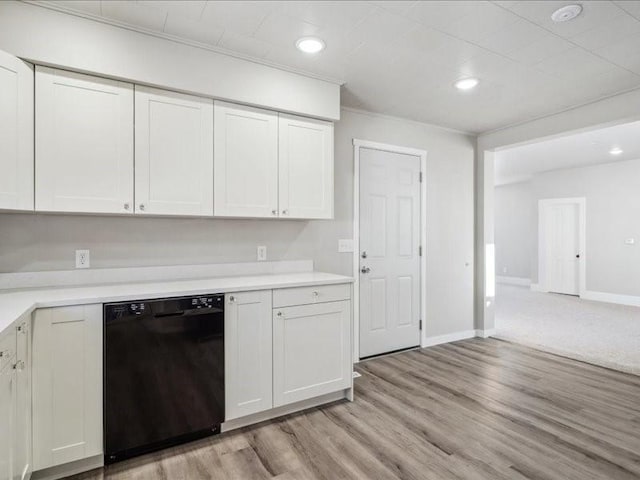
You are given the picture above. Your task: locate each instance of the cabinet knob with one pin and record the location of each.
(279, 314)
(19, 366)
(285, 212)
(127, 206)
(315, 294)
(274, 212)
(232, 299)
(142, 207)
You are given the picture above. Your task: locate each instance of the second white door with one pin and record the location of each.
(174, 153)
(389, 251)
(559, 226)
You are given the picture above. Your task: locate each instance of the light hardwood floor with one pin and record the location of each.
(475, 409)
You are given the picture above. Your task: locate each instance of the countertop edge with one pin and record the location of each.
(26, 301)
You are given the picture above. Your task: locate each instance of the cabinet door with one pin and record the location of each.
(84, 143)
(7, 400)
(305, 168)
(22, 435)
(248, 353)
(16, 133)
(174, 153)
(311, 351)
(245, 161)
(67, 384)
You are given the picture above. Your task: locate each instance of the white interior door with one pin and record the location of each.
(561, 249)
(389, 251)
(174, 153)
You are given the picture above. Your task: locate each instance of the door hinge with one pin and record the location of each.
(420, 324)
(419, 250)
(420, 177)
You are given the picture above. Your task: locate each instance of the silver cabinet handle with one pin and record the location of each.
(142, 207)
(315, 294)
(232, 299)
(285, 212)
(365, 270)
(279, 314)
(274, 212)
(127, 206)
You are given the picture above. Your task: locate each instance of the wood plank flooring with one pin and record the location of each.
(475, 409)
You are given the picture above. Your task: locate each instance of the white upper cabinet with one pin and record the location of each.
(246, 161)
(84, 143)
(174, 153)
(16, 133)
(305, 168)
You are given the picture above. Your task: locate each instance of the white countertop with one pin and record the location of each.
(15, 303)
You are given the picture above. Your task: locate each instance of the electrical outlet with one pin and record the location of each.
(262, 253)
(83, 260)
(345, 245)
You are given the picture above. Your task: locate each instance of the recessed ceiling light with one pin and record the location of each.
(615, 151)
(566, 13)
(466, 83)
(310, 45)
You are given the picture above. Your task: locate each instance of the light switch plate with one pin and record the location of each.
(345, 245)
(83, 260)
(262, 253)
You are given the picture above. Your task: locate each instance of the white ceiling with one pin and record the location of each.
(588, 148)
(402, 57)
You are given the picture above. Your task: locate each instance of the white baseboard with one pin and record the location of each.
(514, 281)
(449, 337)
(486, 333)
(631, 300)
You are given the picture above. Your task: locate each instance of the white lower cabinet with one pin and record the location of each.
(311, 351)
(21, 457)
(7, 404)
(15, 403)
(248, 353)
(67, 384)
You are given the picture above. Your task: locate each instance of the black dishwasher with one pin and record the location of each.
(163, 373)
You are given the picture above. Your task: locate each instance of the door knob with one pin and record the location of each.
(365, 270)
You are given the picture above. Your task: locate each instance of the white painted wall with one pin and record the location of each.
(515, 230)
(612, 195)
(53, 38)
(35, 242)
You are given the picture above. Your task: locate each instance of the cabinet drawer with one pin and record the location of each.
(7, 346)
(307, 295)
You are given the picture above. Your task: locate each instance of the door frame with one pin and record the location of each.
(543, 205)
(422, 154)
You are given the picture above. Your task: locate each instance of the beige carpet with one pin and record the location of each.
(600, 333)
